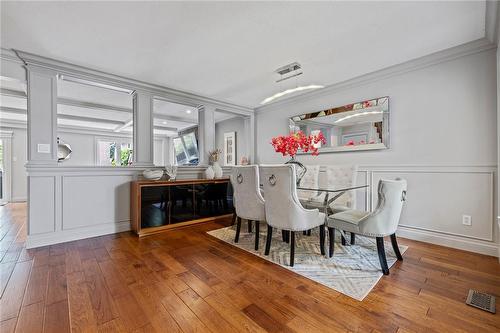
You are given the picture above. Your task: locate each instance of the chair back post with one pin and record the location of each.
(385, 219)
(283, 208)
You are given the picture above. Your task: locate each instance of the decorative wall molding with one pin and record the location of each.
(477, 46)
(489, 245)
(166, 93)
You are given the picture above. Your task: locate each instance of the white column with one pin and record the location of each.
(250, 137)
(143, 129)
(206, 132)
(42, 116)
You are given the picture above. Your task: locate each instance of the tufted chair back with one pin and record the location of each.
(283, 208)
(339, 176)
(248, 201)
(310, 180)
(385, 219)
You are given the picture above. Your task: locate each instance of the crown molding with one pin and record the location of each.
(170, 94)
(477, 46)
(10, 55)
(491, 24)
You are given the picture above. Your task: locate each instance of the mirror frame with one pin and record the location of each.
(385, 144)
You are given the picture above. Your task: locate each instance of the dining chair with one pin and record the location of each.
(283, 208)
(309, 180)
(342, 176)
(247, 199)
(383, 221)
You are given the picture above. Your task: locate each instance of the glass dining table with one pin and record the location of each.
(330, 195)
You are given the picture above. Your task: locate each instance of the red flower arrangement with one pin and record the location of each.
(290, 144)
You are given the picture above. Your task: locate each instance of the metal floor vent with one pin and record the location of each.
(481, 301)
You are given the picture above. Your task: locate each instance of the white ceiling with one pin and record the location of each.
(229, 50)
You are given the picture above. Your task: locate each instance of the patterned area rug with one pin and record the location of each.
(353, 270)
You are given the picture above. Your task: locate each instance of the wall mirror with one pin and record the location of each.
(359, 126)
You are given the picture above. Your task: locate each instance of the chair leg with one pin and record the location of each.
(353, 238)
(322, 239)
(395, 247)
(287, 236)
(257, 225)
(292, 247)
(331, 240)
(342, 239)
(249, 226)
(283, 235)
(381, 255)
(268, 239)
(238, 228)
(234, 218)
(304, 232)
(309, 232)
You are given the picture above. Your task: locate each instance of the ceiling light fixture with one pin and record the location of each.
(164, 122)
(291, 91)
(357, 115)
(290, 71)
(188, 111)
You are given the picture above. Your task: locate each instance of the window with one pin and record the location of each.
(180, 152)
(112, 153)
(186, 148)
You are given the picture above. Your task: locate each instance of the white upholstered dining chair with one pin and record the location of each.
(283, 208)
(337, 177)
(383, 221)
(309, 180)
(248, 200)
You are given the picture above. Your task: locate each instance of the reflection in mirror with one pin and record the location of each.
(97, 120)
(359, 126)
(176, 134)
(231, 137)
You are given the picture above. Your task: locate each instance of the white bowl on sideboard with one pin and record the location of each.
(152, 174)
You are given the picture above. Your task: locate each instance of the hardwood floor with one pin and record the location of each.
(187, 281)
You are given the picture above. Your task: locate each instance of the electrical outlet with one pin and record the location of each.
(466, 220)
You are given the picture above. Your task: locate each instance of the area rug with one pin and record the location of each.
(353, 270)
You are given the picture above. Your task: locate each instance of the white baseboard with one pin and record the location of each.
(19, 199)
(456, 242)
(76, 234)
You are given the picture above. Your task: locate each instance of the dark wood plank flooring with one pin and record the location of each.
(187, 281)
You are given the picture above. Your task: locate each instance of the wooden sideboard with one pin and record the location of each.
(156, 206)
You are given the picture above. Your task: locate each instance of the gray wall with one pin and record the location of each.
(236, 124)
(443, 131)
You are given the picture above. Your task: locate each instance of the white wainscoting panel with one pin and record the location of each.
(95, 200)
(42, 210)
(436, 201)
(71, 203)
(437, 198)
